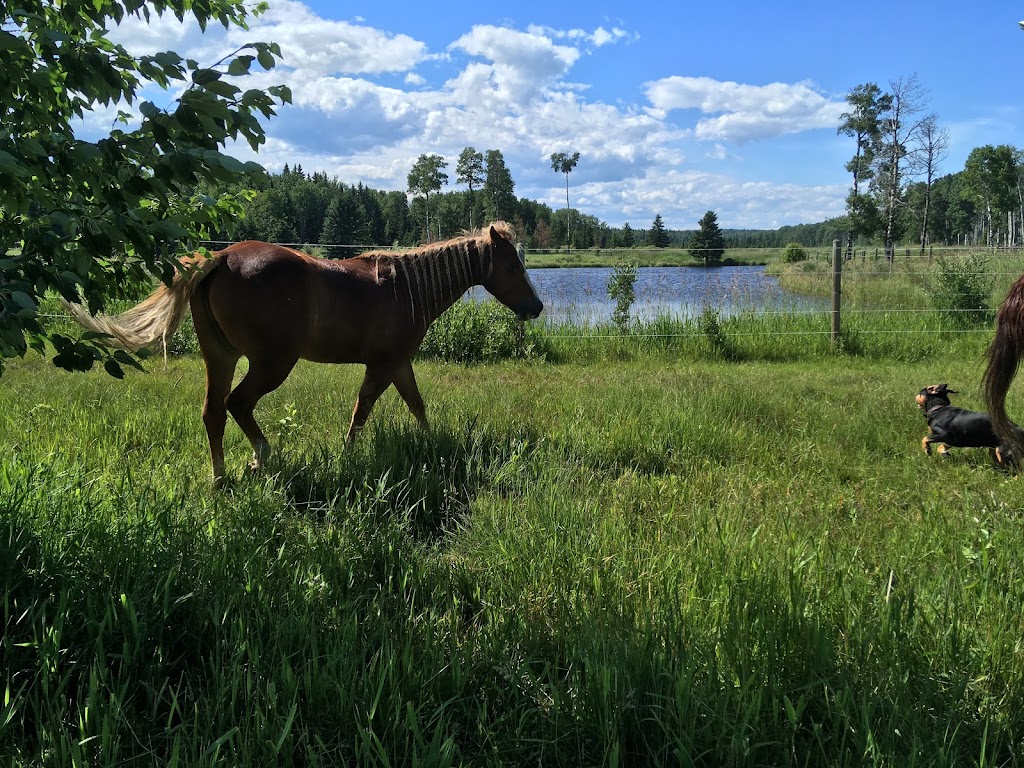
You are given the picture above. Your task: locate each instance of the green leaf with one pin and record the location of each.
(265, 58)
(240, 66)
(125, 359)
(205, 76)
(168, 230)
(219, 87)
(23, 300)
(9, 42)
(31, 148)
(111, 367)
(167, 59)
(10, 165)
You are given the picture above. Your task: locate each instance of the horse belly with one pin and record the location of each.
(359, 337)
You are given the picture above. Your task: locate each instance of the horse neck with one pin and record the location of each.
(437, 278)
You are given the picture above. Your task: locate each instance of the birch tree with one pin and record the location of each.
(470, 171)
(899, 129)
(933, 147)
(991, 178)
(427, 175)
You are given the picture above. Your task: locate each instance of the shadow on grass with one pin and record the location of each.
(429, 476)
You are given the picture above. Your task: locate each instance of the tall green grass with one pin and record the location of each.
(621, 549)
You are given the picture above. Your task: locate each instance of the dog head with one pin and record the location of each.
(936, 394)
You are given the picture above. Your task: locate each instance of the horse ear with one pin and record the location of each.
(494, 234)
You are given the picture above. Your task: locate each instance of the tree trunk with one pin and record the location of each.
(426, 203)
(1020, 198)
(924, 222)
(568, 217)
(856, 184)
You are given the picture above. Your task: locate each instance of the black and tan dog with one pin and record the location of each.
(953, 427)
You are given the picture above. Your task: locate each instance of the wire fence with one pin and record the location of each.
(869, 286)
(952, 290)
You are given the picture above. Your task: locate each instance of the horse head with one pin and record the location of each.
(507, 280)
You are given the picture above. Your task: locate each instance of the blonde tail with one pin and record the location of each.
(1004, 355)
(156, 318)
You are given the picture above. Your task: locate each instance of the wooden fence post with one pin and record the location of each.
(837, 274)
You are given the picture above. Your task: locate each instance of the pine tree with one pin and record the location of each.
(498, 187)
(708, 243)
(658, 237)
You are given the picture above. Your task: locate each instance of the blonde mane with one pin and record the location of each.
(437, 274)
(481, 237)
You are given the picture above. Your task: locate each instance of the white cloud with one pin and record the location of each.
(599, 37)
(368, 102)
(682, 197)
(314, 44)
(523, 65)
(744, 112)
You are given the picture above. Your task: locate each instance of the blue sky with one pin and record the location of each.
(675, 108)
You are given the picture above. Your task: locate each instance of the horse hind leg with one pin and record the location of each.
(220, 370)
(264, 376)
(220, 360)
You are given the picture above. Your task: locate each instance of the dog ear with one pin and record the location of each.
(941, 389)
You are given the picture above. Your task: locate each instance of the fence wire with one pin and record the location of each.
(852, 272)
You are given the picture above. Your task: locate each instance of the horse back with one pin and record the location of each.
(272, 300)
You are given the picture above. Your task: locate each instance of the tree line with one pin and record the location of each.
(296, 207)
(981, 205)
(896, 191)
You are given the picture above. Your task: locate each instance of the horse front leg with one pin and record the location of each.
(375, 381)
(405, 383)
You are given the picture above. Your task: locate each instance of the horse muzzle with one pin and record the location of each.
(529, 310)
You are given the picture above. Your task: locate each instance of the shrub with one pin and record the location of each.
(477, 331)
(794, 252)
(622, 290)
(721, 345)
(962, 288)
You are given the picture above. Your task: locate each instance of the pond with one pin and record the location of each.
(579, 295)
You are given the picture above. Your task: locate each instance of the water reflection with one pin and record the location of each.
(579, 295)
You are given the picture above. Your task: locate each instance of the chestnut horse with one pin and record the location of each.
(1004, 354)
(275, 305)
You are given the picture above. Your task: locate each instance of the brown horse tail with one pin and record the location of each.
(1004, 354)
(157, 317)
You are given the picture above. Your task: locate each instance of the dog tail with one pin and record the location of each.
(1004, 354)
(157, 317)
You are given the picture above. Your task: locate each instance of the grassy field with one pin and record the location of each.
(641, 550)
(904, 283)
